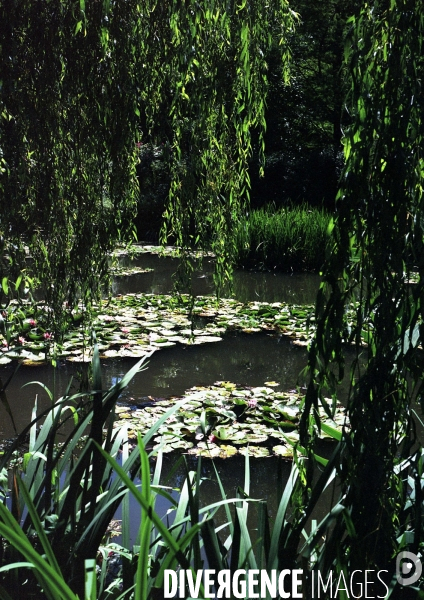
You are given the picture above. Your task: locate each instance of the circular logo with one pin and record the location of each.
(408, 568)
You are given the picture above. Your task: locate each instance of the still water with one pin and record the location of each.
(246, 359)
(298, 288)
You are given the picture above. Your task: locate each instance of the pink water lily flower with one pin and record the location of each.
(47, 335)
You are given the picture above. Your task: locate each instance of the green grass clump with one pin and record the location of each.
(288, 239)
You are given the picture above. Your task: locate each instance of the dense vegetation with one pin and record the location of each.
(74, 111)
(100, 80)
(289, 239)
(377, 241)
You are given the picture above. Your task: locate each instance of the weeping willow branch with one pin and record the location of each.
(377, 240)
(212, 79)
(83, 83)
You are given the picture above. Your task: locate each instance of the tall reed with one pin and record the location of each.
(37, 563)
(288, 239)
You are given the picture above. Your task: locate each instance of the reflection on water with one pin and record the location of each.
(299, 288)
(267, 480)
(247, 359)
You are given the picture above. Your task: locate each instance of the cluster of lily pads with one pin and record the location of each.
(23, 334)
(121, 271)
(134, 325)
(136, 249)
(171, 251)
(224, 419)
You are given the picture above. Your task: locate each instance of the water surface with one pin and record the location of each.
(296, 288)
(246, 359)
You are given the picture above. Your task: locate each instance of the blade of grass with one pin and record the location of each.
(145, 527)
(90, 579)
(280, 519)
(38, 526)
(126, 519)
(163, 530)
(51, 581)
(213, 548)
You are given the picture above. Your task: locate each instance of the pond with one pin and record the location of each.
(248, 286)
(248, 359)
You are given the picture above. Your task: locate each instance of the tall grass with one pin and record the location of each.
(56, 506)
(288, 239)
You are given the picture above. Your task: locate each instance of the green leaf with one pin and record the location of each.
(90, 579)
(5, 286)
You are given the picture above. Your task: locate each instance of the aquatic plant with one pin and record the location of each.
(289, 239)
(79, 467)
(67, 485)
(225, 419)
(55, 488)
(134, 325)
(39, 564)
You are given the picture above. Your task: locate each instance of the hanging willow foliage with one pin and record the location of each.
(67, 133)
(377, 240)
(83, 82)
(209, 76)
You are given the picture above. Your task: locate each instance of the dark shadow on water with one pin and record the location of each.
(296, 288)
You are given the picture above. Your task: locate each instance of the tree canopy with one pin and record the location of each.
(83, 84)
(68, 127)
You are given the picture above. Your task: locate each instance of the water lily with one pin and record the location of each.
(47, 336)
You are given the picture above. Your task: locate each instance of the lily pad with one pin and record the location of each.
(255, 451)
(283, 451)
(234, 417)
(205, 339)
(227, 451)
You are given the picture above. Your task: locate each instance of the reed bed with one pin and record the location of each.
(287, 239)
